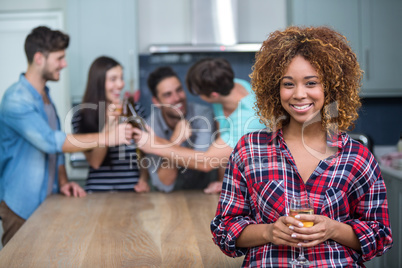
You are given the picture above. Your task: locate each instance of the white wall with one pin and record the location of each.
(23, 15)
(101, 28)
(29, 5)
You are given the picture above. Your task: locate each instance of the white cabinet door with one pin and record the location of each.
(381, 47)
(14, 27)
(373, 28)
(341, 15)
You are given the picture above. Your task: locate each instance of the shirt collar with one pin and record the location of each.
(32, 90)
(159, 117)
(277, 135)
(336, 140)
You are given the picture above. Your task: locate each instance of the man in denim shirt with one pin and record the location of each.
(31, 143)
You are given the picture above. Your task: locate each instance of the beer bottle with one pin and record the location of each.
(129, 115)
(133, 118)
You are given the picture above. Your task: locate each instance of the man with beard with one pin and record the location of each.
(232, 100)
(185, 124)
(31, 142)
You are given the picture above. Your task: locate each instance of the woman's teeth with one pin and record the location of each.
(301, 107)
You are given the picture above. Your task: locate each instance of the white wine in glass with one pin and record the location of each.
(309, 211)
(301, 205)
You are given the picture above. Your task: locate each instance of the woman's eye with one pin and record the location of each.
(287, 84)
(311, 83)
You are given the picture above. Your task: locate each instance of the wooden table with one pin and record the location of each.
(119, 230)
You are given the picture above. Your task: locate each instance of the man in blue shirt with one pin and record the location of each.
(233, 101)
(31, 142)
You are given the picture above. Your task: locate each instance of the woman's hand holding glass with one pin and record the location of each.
(301, 206)
(322, 230)
(116, 132)
(292, 232)
(310, 230)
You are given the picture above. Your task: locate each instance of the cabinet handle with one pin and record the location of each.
(367, 55)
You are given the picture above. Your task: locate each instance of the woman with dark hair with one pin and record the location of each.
(111, 168)
(306, 82)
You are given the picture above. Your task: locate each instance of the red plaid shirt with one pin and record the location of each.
(261, 177)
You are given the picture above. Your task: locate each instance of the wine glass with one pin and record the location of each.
(301, 205)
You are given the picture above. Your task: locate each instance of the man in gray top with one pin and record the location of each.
(189, 124)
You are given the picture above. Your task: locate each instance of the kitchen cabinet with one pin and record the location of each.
(381, 47)
(373, 30)
(342, 15)
(393, 182)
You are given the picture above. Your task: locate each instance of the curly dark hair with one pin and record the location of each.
(329, 53)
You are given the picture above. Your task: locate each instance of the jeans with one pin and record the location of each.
(11, 222)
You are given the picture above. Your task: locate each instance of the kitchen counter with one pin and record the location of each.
(393, 181)
(119, 230)
(389, 171)
(380, 151)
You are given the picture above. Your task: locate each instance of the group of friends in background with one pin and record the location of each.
(179, 131)
(260, 145)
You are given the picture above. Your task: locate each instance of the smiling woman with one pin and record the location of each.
(340, 82)
(111, 168)
(114, 84)
(301, 92)
(306, 82)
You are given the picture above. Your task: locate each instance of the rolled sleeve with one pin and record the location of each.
(233, 212)
(372, 226)
(61, 159)
(226, 238)
(60, 138)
